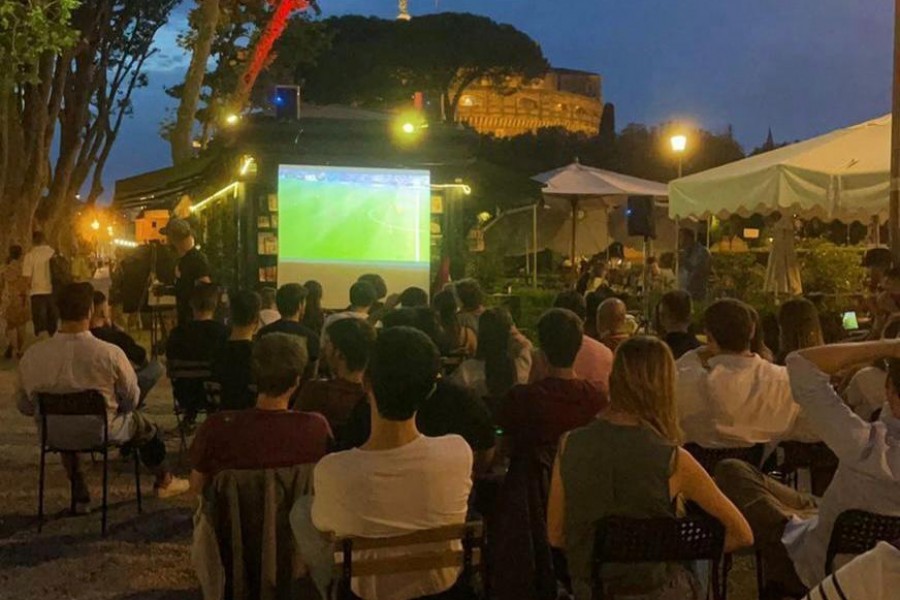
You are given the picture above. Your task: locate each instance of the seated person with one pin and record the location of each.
(674, 314)
(74, 360)
(537, 414)
(148, 372)
(628, 463)
(456, 340)
(504, 357)
(346, 351)
(362, 299)
(729, 397)
(291, 301)
(874, 575)
(269, 435)
(268, 313)
(449, 409)
(594, 360)
(191, 348)
(413, 297)
(792, 529)
(399, 481)
(471, 299)
(232, 366)
(378, 283)
(612, 323)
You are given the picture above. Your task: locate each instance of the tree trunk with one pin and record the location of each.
(182, 133)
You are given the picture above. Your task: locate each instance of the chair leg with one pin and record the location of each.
(105, 491)
(41, 489)
(72, 495)
(760, 576)
(137, 478)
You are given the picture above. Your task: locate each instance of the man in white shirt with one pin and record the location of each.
(36, 270)
(74, 360)
(729, 397)
(793, 530)
(399, 481)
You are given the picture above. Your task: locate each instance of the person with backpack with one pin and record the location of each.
(38, 272)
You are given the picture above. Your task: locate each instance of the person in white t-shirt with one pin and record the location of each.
(36, 270)
(729, 397)
(399, 481)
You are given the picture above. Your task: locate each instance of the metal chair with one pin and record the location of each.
(817, 458)
(626, 540)
(426, 558)
(189, 377)
(858, 531)
(88, 403)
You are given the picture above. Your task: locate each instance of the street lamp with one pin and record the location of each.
(679, 145)
(95, 225)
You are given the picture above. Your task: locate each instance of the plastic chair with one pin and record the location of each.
(625, 540)
(471, 535)
(858, 531)
(710, 457)
(817, 458)
(89, 403)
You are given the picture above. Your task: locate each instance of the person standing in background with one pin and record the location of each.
(14, 302)
(36, 271)
(193, 266)
(695, 265)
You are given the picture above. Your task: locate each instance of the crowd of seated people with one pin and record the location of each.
(590, 421)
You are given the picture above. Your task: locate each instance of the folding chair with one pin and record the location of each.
(625, 540)
(817, 458)
(88, 403)
(189, 378)
(858, 531)
(471, 535)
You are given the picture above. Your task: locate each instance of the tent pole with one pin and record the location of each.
(575, 230)
(534, 241)
(895, 144)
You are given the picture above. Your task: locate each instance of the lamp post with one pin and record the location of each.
(679, 145)
(894, 203)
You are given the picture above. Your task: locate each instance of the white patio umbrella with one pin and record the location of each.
(782, 271)
(578, 187)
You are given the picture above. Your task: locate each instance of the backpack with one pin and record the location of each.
(60, 272)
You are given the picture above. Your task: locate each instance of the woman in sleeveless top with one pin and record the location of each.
(14, 302)
(628, 463)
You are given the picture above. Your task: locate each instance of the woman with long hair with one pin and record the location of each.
(458, 339)
(628, 463)
(14, 302)
(799, 327)
(758, 342)
(314, 316)
(499, 361)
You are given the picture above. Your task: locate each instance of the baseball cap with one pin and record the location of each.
(177, 229)
(877, 257)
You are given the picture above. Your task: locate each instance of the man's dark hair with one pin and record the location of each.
(354, 339)
(573, 301)
(99, 298)
(730, 323)
(204, 297)
(279, 360)
(402, 371)
(560, 333)
(377, 282)
(245, 308)
(362, 294)
(470, 295)
(289, 298)
(878, 257)
(678, 305)
(75, 301)
(413, 297)
(37, 238)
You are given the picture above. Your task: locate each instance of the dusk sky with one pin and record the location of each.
(801, 67)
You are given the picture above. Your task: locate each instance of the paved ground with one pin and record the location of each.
(144, 557)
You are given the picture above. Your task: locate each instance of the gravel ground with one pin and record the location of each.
(144, 557)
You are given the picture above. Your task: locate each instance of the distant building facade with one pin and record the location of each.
(563, 98)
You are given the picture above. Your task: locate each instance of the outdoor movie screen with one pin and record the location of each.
(337, 223)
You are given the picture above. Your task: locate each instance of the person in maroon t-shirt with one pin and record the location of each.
(539, 413)
(269, 435)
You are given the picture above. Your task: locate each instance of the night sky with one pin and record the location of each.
(801, 67)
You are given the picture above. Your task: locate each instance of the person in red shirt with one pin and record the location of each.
(269, 435)
(539, 413)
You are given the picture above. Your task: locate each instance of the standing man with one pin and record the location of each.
(37, 274)
(193, 267)
(695, 265)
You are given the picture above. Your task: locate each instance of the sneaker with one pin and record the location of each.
(175, 487)
(83, 507)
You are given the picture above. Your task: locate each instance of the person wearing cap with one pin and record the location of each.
(193, 267)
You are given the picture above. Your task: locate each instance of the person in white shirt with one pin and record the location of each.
(729, 397)
(36, 270)
(74, 360)
(399, 481)
(793, 530)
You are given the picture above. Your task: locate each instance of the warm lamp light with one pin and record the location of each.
(95, 225)
(232, 119)
(679, 143)
(409, 128)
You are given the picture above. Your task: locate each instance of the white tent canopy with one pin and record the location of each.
(841, 175)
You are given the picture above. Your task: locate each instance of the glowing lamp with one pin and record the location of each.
(409, 128)
(95, 225)
(232, 119)
(679, 143)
